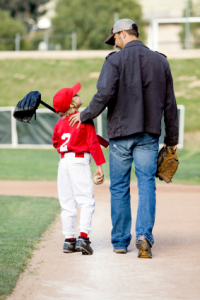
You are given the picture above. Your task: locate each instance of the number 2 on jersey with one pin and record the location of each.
(63, 147)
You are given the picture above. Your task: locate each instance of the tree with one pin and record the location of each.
(26, 11)
(8, 29)
(194, 27)
(93, 20)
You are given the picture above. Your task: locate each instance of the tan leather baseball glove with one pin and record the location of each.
(167, 163)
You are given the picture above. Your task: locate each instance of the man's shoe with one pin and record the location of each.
(120, 251)
(83, 245)
(69, 246)
(144, 247)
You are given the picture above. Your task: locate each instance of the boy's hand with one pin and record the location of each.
(100, 174)
(74, 119)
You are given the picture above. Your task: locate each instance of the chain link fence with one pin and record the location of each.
(42, 41)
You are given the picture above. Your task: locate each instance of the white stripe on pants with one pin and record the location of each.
(75, 186)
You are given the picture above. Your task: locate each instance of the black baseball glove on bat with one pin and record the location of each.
(26, 108)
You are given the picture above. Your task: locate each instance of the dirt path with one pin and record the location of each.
(173, 273)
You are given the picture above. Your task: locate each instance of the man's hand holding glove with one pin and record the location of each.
(167, 163)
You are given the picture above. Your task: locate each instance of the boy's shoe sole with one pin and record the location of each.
(83, 250)
(120, 251)
(83, 245)
(144, 248)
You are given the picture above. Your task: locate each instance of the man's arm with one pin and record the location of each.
(107, 87)
(93, 143)
(170, 112)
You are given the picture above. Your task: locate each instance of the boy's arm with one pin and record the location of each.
(55, 139)
(93, 144)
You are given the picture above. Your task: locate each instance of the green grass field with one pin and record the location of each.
(27, 164)
(18, 77)
(22, 221)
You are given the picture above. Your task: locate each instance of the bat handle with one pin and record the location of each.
(47, 106)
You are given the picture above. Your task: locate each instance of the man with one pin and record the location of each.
(137, 87)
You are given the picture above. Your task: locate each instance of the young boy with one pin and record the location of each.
(74, 175)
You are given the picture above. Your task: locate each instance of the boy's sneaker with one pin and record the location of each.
(144, 247)
(69, 246)
(83, 245)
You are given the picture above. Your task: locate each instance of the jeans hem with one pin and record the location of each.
(120, 248)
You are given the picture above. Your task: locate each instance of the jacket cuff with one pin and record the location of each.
(170, 142)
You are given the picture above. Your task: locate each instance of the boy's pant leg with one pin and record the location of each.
(67, 200)
(83, 190)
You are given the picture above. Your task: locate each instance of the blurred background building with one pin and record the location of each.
(170, 36)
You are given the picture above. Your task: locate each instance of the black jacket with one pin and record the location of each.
(137, 87)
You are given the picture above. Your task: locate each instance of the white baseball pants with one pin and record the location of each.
(75, 185)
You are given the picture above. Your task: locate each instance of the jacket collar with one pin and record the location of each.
(135, 43)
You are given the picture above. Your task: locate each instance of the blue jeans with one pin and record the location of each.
(141, 148)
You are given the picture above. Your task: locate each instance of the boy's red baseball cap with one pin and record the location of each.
(63, 98)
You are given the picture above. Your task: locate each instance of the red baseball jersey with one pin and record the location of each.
(84, 139)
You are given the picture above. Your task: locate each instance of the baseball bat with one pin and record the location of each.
(47, 106)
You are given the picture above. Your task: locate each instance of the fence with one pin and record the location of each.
(153, 41)
(38, 134)
(44, 40)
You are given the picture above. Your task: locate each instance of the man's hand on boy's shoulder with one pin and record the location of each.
(74, 119)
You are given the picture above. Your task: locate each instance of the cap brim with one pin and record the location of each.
(110, 40)
(76, 88)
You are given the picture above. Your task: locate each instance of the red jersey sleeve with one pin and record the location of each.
(55, 138)
(93, 143)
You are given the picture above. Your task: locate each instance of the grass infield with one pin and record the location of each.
(22, 221)
(29, 164)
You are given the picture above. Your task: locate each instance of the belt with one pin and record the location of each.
(76, 154)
